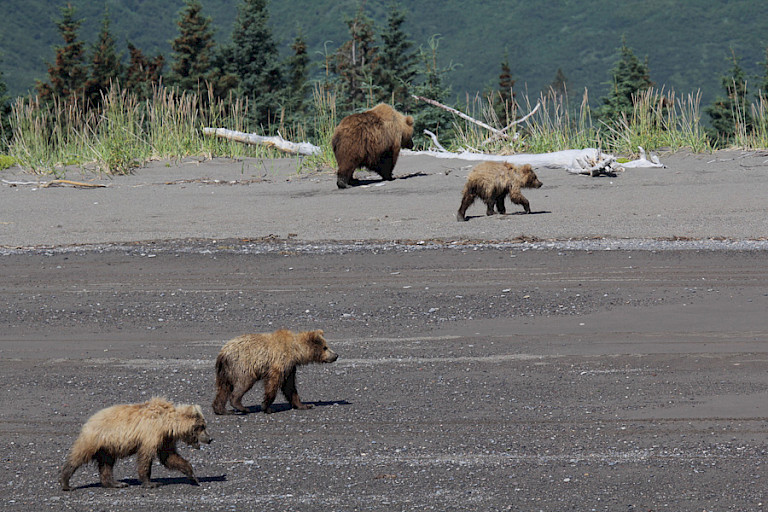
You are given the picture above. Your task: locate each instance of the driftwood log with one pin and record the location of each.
(54, 183)
(590, 161)
(275, 141)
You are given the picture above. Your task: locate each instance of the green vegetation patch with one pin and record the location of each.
(6, 162)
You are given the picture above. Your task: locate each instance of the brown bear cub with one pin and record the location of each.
(370, 139)
(492, 181)
(149, 429)
(272, 357)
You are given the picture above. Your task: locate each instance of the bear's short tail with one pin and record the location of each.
(223, 384)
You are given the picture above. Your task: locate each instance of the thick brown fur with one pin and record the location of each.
(272, 357)
(492, 181)
(148, 429)
(370, 139)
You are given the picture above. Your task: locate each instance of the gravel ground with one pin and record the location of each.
(593, 357)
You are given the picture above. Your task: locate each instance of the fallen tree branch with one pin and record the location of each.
(497, 133)
(275, 141)
(643, 161)
(435, 141)
(588, 161)
(54, 183)
(510, 125)
(461, 115)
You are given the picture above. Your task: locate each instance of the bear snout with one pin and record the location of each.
(202, 437)
(330, 357)
(537, 184)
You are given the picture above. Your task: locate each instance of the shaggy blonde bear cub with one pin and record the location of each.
(272, 357)
(492, 181)
(148, 429)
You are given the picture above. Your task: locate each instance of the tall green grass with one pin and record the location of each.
(659, 120)
(123, 132)
(556, 126)
(323, 124)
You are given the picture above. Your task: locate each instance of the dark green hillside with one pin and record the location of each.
(687, 42)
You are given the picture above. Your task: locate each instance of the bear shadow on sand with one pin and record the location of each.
(373, 180)
(282, 407)
(503, 216)
(176, 480)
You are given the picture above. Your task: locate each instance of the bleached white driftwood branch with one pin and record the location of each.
(435, 141)
(589, 161)
(461, 115)
(643, 161)
(54, 183)
(497, 133)
(510, 125)
(275, 141)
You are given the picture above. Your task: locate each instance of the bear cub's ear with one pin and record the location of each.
(409, 120)
(316, 337)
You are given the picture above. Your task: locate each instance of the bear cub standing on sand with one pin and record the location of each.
(149, 429)
(269, 356)
(371, 139)
(492, 181)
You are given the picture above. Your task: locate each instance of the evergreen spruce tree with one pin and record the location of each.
(432, 86)
(355, 65)
(397, 62)
(69, 73)
(298, 78)
(763, 85)
(628, 77)
(192, 49)
(255, 62)
(143, 74)
(731, 114)
(559, 85)
(223, 77)
(5, 113)
(106, 65)
(504, 103)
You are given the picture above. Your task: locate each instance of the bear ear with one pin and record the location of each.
(409, 120)
(317, 337)
(190, 411)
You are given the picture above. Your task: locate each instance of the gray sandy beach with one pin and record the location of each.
(607, 352)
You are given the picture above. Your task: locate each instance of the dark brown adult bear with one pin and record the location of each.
(269, 356)
(149, 429)
(370, 139)
(492, 181)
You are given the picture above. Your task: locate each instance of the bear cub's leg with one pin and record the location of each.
(500, 204)
(290, 392)
(518, 198)
(106, 462)
(489, 205)
(240, 389)
(466, 202)
(172, 460)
